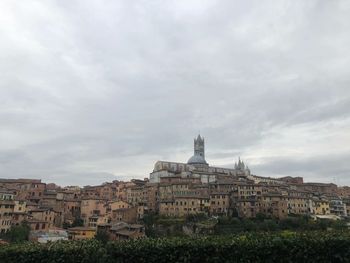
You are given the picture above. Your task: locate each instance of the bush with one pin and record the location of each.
(284, 247)
(102, 235)
(193, 218)
(78, 222)
(19, 233)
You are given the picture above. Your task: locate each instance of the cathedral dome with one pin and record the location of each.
(196, 159)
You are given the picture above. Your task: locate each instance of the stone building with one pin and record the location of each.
(81, 233)
(7, 205)
(273, 205)
(196, 167)
(136, 195)
(47, 215)
(298, 205)
(320, 206)
(152, 198)
(219, 203)
(181, 206)
(92, 207)
(337, 206)
(114, 205)
(128, 215)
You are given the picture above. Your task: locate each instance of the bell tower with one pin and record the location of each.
(199, 146)
(198, 158)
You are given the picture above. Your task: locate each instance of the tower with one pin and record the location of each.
(198, 157)
(199, 146)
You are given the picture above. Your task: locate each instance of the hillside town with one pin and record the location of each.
(172, 189)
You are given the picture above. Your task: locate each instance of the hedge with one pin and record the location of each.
(282, 247)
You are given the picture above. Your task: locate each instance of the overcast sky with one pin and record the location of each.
(93, 91)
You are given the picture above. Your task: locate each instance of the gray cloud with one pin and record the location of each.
(329, 168)
(91, 90)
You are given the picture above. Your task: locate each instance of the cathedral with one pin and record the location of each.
(197, 167)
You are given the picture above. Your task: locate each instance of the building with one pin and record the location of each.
(81, 233)
(38, 225)
(196, 167)
(219, 203)
(52, 235)
(182, 206)
(123, 231)
(337, 207)
(321, 206)
(47, 215)
(128, 215)
(7, 205)
(114, 205)
(92, 207)
(298, 205)
(273, 205)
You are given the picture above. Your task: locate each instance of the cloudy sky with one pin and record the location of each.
(92, 91)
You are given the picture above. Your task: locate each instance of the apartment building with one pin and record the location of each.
(7, 205)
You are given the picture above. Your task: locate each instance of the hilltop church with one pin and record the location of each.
(197, 167)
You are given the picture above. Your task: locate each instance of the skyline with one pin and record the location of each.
(92, 93)
(230, 166)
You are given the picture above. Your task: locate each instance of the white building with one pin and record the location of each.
(196, 167)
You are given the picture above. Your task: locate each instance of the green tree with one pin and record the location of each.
(339, 225)
(260, 217)
(66, 225)
(150, 221)
(78, 222)
(18, 234)
(193, 218)
(102, 235)
(268, 225)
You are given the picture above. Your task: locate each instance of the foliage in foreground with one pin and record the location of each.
(282, 247)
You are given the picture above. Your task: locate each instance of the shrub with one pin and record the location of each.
(283, 247)
(18, 233)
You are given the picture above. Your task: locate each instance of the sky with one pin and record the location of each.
(95, 91)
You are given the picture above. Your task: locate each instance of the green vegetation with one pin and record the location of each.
(286, 246)
(158, 226)
(17, 234)
(78, 222)
(162, 226)
(227, 225)
(102, 235)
